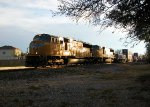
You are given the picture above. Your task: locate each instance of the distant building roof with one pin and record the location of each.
(7, 47)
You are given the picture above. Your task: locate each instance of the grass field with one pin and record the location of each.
(12, 63)
(103, 85)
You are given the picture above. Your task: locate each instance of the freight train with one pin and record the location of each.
(123, 56)
(48, 50)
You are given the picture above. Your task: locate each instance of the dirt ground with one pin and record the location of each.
(100, 85)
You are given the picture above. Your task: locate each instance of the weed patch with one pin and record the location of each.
(34, 87)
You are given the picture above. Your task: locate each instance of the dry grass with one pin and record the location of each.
(113, 85)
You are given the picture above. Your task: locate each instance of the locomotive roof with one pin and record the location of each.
(44, 37)
(47, 35)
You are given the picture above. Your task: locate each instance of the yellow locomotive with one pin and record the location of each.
(50, 50)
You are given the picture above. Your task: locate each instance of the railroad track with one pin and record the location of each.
(15, 68)
(18, 68)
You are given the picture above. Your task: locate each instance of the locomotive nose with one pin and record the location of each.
(35, 46)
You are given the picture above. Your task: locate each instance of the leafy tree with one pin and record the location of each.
(148, 52)
(132, 15)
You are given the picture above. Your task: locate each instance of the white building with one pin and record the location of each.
(9, 52)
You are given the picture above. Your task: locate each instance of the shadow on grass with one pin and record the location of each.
(141, 92)
(145, 82)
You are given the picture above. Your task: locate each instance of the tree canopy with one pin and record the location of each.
(132, 15)
(148, 51)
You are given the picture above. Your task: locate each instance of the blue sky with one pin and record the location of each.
(21, 20)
